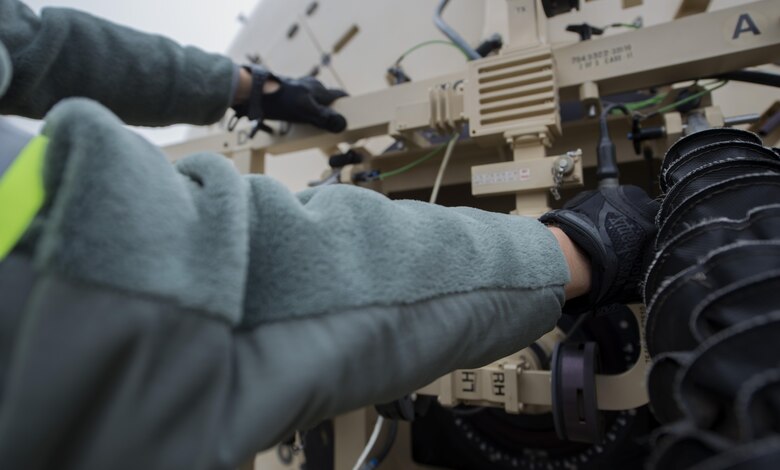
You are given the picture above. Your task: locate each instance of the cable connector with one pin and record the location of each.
(585, 30)
(606, 154)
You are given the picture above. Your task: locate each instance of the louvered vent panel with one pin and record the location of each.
(512, 91)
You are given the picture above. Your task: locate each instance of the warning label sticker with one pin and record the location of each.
(500, 177)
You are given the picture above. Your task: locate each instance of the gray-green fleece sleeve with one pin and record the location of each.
(145, 79)
(188, 316)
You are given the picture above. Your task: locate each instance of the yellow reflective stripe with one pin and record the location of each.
(21, 193)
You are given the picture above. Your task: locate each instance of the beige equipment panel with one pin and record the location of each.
(516, 146)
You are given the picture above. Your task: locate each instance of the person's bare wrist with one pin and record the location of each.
(244, 87)
(271, 86)
(578, 263)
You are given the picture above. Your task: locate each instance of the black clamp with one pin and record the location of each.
(585, 30)
(574, 401)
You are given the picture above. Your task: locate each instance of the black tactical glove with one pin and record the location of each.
(614, 227)
(303, 100)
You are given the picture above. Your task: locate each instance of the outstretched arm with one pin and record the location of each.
(145, 79)
(187, 316)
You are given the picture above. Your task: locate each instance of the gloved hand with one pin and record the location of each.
(303, 100)
(614, 227)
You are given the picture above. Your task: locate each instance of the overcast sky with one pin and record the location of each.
(208, 24)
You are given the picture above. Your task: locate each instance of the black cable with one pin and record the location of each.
(752, 76)
(392, 432)
(607, 110)
(647, 154)
(606, 154)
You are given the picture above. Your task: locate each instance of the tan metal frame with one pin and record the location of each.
(510, 384)
(511, 100)
(691, 47)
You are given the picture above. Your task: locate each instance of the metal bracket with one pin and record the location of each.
(525, 175)
(520, 388)
(446, 107)
(443, 111)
